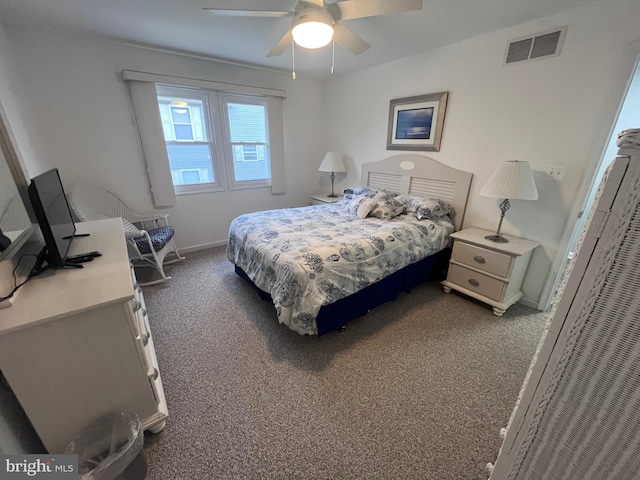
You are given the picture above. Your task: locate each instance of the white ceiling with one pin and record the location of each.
(182, 26)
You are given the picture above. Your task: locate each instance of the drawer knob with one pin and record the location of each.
(154, 375)
(136, 305)
(145, 339)
(479, 259)
(474, 282)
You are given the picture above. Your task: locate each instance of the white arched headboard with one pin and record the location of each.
(420, 175)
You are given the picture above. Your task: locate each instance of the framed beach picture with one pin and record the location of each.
(415, 123)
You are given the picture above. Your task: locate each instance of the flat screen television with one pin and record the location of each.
(54, 218)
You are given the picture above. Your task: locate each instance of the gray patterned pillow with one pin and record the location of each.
(386, 206)
(434, 209)
(386, 196)
(411, 202)
(423, 207)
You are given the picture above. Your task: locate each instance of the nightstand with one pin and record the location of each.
(488, 271)
(319, 199)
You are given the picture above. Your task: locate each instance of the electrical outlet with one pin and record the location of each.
(556, 172)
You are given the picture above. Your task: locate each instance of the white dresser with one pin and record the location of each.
(488, 271)
(76, 344)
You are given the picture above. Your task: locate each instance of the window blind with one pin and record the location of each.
(276, 142)
(149, 122)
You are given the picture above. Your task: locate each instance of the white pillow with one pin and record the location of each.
(361, 206)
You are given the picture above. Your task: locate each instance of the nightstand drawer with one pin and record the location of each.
(482, 258)
(476, 282)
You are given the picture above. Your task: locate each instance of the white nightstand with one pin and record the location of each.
(488, 271)
(319, 199)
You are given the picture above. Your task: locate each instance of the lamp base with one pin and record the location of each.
(497, 238)
(332, 195)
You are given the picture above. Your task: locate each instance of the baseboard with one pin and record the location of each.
(204, 246)
(528, 303)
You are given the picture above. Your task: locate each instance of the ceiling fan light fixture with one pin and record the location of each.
(312, 34)
(312, 29)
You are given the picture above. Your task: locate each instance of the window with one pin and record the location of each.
(214, 140)
(181, 121)
(201, 135)
(246, 118)
(186, 129)
(190, 177)
(245, 153)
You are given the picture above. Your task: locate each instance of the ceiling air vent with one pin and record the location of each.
(542, 45)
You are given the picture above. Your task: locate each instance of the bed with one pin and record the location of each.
(324, 265)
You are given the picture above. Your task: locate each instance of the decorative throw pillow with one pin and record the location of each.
(385, 196)
(353, 192)
(429, 208)
(361, 206)
(386, 206)
(434, 209)
(423, 207)
(447, 209)
(382, 211)
(410, 202)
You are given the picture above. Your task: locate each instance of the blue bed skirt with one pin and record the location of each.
(336, 315)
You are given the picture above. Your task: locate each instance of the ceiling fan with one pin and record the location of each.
(315, 23)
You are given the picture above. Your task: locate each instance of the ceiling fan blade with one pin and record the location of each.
(350, 9)
(349, 40)
(315, 3)
(281, 46)
(225, 12)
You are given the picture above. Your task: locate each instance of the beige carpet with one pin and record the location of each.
(418, 388)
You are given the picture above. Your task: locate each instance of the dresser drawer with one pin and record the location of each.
(481, 258)
(476, 282)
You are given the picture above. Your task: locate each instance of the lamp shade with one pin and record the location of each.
(332, 162)
(513, 180)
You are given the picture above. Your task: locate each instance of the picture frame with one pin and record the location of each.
(415, 123)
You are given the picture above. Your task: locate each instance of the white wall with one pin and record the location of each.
(79, 120)
(10, 83)
(548, 112)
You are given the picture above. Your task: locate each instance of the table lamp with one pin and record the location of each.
(513, 180)
(332, 162)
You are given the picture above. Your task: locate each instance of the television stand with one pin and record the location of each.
(42, 265)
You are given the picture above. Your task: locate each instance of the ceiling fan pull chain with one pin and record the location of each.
(333, 55)
(293, 58)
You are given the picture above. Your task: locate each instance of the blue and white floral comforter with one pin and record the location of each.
(313, 256)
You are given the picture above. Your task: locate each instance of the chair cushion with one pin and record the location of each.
(159, 237)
